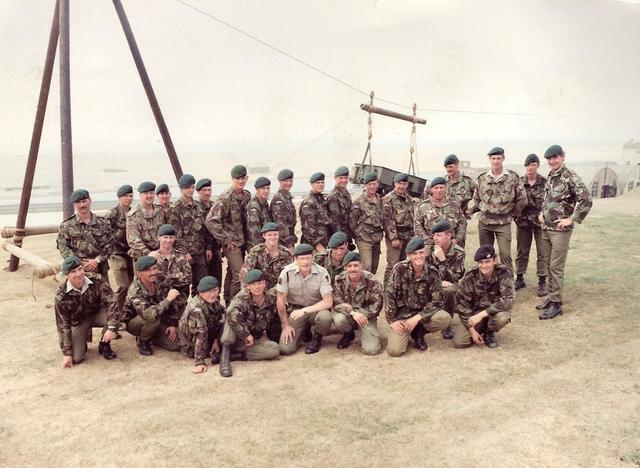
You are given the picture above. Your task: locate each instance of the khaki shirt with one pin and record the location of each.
(304, 291)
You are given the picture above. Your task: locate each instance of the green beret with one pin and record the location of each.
(337, 239)
(261, 182)
(144, 263)
(302, 249)
(495, 151)
(166, 230)
(238, 171)
(70, 263)
(441, 226)
(438, 181)
(269, 227)
(253, 276)
(401, 177)
(351, 257)
(341, 171)
(451, 159)
(285, 174)
(484, 251)
(202, 183)
(414, 244)
(146, 187)
(186, 181)
(162, 188)
(80, 194)
(532, 158)
(207, 283)
(370, 177)
(316, 177)
(124, 190)
(553, 150)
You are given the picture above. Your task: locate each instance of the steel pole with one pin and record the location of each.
(65, 111)
(389, 113)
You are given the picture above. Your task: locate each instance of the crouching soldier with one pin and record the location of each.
(358, 299)
(200, 326)
(413, 298)
(80, 304)
(485, 296)
(248, 317)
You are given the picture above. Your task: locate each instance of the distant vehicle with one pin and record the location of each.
(385, 179)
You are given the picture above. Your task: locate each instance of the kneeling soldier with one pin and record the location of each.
(413, 298)
(200, 326)
(248, 317)
(358, 299)
(80, 304)
(331, 258)
(485, 297)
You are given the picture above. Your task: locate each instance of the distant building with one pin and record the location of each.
(615, 179)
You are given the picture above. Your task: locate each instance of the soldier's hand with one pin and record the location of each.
(396, 243)
(215, 346)
(67, 362)
(90, 265)
(477, 318)
(200, 369)
(189, 258)
(108, 336)
(287, 334)
(171, 333)
(562, 224)
(541, 218)
(446, 284)
(411, 323)
(398, 327)
(230, 245)
(208, 255)
(475, 336)
(360, 318)
(319, 248)
(296, 314)
(438, 253)
(173, 294)
(248, 341)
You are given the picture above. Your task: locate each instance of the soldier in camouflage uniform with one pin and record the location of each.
(484, 300)
(366, 223)
(566, 201)
(258, 212)
(529, 226)
(397, 210)
(283, 210)
(87, 236)
(499, 197)
(459, 186)
(248, 317)
(339, 203)
(163, 197)
(227, 221)
(200, 326)
(357, 302)
(331, 259)
(436, 208)
(212, 249)
(413, 300)
(143, 223)
(314, 216)
(84, 301)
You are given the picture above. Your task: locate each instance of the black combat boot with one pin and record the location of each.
(542, 286)
(144, 346)
(447, 333)
(519, 284)
(215, 358)
(307, 335)
(225, 361)
(346, 339)
(315, 344)
(544, 305)
(490, 339)
(418, 338)
(106, 351)
(555, 309)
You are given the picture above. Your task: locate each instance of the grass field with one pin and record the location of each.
(556, 393)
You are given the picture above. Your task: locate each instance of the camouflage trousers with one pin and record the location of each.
(370, 255)
(81, 335)
(397, 344)
(394, 256)
(235, 259)
(155, 331)
(198, 271)
(263, 348)
(320, 322)
(501, 233)
(369, 336)
(122, 268)
(524, 236)
(214, 266)
(449, 298)
(462, 337)
(556, 248)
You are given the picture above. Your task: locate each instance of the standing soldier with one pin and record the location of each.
(459, 186)
(331, 259)
(436, 208)
(397, 209)
(283, 211)
(87, 236)
(529, 226)
(143, 223)
(258, 212)
(228, 223)
(339, 203)
(499, 197)
(164, 199)
(212, 252)
(314, 216)
(566, 201)
(485, 297)
(366, 223)
(358, 300)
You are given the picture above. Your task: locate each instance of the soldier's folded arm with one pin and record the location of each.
(325, 303)
(150, 312)
(506, 299)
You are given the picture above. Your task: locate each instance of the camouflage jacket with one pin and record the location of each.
(166, 210)
(199, 325)
(314, 219)
(246, 318)
(499, 200)
(284, 213)
(227, 219)
(86, 241)
(451, 269)
(367, 296)
(209, 241)
(258, 213)
(174, 271)
(142, 230)
(462, 192)
(565, 195)
(141, 302)
(324, 260)
(476, 294)
(72, 307)
(366, 219)
(117, 218)
(187, 217)
(397, 211)
(258, 257)
(407, 294)
(339, 207)
(428, 213)
(528, 218)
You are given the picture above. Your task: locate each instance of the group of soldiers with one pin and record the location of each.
(278, 293)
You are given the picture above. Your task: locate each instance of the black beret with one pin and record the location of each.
(269, 227)
(553, 150)
(166, 230)
(484, 251)
(351, 257)
(144, 263)
(401, 177)
(337, 239)
(238, 171)
(186, 181)
(146, 187)
(202, 183)
(341, 171)
(80, 194)
(302, 249)
(438, 181)
(532, 158)
(261, 182)
(451, 159)
(441, 226)
(253, 276)
(315, 177)
(414, 244)
(285, 174)
(370, 177)
(124, 190)
(207, 283)
(162, 188)
(70, 263)
(496, 150)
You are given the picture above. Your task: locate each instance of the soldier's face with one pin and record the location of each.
(339, 252)
(555, 162)
(372, 187)
(204, 194)
(418, 257)
(263, 192)
(452, 169)
(318, 187)
(238, 183)
(271, 238)
(496, 161)
(188, 192)
(286, 184)
(166, 242)
(126, 200)
(210, 296)
(146, 198)
(438, 191)
(148, 274)
(532, 169)
(401, 187)
(442, 239)
(354, 269)
(82, 206)
(304, 262)
(486, 266)
(342, 181)
(164, 198)
(76, 277)
(257, 288)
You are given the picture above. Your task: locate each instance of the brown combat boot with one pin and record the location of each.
(555, 309)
